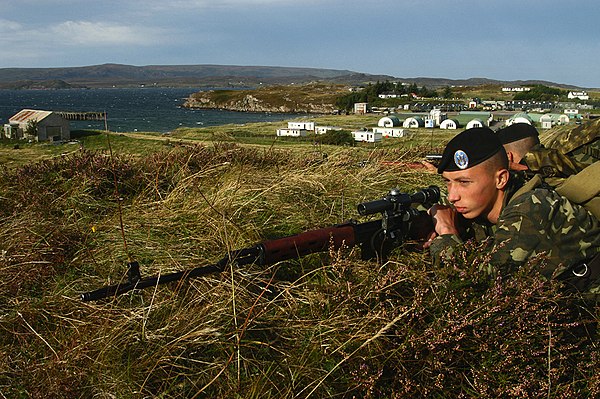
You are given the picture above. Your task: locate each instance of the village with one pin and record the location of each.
(397, 123)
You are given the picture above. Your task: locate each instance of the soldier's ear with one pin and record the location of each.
(501, 179)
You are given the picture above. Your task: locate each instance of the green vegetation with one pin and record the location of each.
(370, 95)
(337, 137)
(541, 93)
(310, 98)
(328, 325)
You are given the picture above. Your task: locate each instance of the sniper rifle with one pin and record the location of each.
(375, 238)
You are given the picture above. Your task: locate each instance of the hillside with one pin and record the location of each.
(311, 98)
(109, 75)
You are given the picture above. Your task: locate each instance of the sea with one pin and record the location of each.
(143, 109)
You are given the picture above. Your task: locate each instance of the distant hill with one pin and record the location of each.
(441, 82)
(109, 75)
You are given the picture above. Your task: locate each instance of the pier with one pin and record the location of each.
(83, 116)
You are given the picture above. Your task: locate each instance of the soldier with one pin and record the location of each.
(575, 176)
(526, 153)
(521, 221)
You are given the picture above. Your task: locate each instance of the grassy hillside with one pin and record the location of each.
(326, 325)
(310, 98)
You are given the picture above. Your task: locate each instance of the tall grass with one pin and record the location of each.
(327, 325)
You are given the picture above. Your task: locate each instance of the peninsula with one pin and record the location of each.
(314, 98)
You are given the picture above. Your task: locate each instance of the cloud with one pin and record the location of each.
(102, 34)
(7, 26)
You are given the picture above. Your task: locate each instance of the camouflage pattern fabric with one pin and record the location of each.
(581, 143)
(535, 222)
(550, 162)
(587, 154)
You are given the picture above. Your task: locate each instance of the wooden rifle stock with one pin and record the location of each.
(266, 253)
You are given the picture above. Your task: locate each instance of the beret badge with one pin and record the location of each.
(461, 159)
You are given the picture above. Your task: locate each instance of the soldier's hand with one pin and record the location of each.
(430, 238)
(445, 219)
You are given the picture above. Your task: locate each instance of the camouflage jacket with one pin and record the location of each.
(550, 162)
(535, 222)
(581, 144)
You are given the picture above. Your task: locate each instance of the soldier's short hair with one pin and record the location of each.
(518, 131)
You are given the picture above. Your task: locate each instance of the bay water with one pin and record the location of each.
(149, 109)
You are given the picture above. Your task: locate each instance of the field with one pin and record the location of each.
(324, 325)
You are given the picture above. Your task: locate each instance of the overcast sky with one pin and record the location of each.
(550, 40)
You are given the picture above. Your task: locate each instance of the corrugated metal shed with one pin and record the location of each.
(38, 125)
(27, 115)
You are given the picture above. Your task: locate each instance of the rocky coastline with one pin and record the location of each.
(286, 99)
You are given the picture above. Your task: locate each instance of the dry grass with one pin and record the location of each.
(327, 325)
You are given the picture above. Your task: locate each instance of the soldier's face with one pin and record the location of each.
(474, 191)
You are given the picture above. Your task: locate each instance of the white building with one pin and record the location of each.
(37, 125)
(301, 125)
(475, 123)
(292, 132)
(389, 121)
(367, 136)
(547, 121)
(361, 108)
(413, 122)
(449, 124)
(390, 131)
(325, 129)
(582, 95)
(517, 89)
(437, 115)
(520, 117)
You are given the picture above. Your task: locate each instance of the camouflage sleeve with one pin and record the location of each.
(517, 237)
(537, 222)
(541, 221)
(550, 162)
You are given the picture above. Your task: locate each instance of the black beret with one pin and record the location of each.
(516, 131)
(469, 148)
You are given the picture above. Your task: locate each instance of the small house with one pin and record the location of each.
(475, 123)
(325, 129)
(292, 132)
(547, 121)
(437, 115)
(571, 112)
(389, 121)
(367, 136)
(361, 108)
(580, 95)
(520, 117)
(413, 122)
(301, 125)
(464, 117)
(449, 124)
(38, 125)
(390, 131)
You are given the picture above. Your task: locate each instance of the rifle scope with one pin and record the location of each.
(396, 201)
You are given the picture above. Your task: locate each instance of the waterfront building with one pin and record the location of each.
(38, 125)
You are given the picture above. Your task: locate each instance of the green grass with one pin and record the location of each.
(327, 325)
